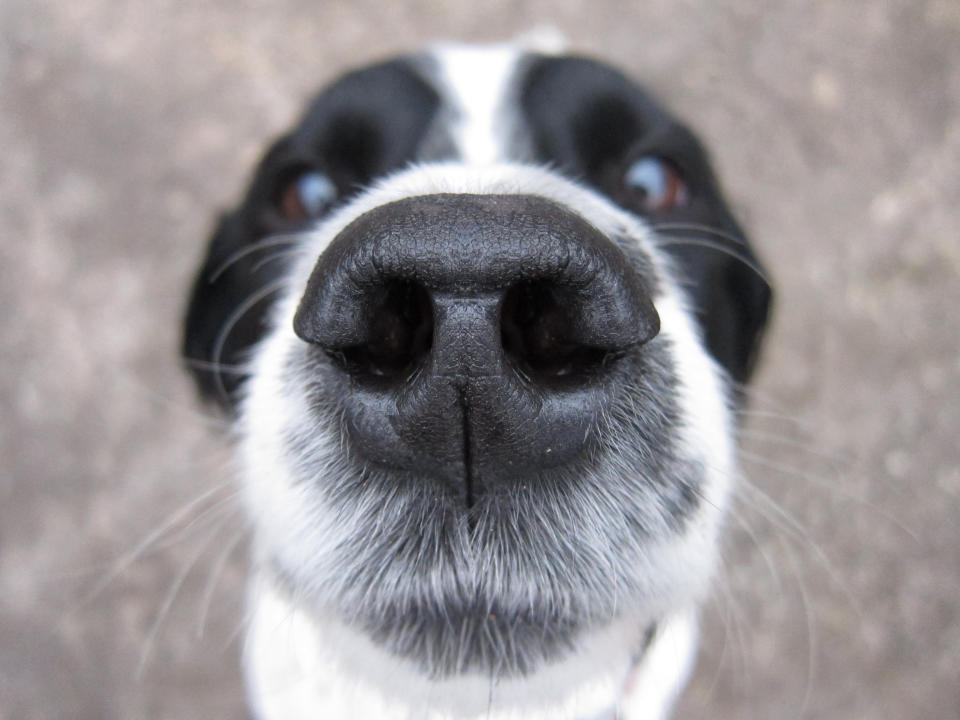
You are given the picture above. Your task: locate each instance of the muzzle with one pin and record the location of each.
(473, 334)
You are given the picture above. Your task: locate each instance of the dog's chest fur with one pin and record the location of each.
(420, 551)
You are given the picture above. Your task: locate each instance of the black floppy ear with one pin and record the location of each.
(728, 288)
(231, 295)
(729, 294)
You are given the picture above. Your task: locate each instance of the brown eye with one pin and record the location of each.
(306, 195)
(654, 184)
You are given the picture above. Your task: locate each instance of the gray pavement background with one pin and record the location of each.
(835, 125)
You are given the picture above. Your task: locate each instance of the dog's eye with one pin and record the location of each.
(654, 184)
(306, 195)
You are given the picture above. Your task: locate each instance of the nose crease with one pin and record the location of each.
(468, 480)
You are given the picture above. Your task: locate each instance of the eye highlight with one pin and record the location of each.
(306, 195)
(654, 184)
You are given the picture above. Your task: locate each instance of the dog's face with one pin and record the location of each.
(480, 317)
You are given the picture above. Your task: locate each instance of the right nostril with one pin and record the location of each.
(399, 332)
(539, 333)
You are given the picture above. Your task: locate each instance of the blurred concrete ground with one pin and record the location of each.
(124, 125)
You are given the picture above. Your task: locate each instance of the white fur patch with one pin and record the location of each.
(653, 688)
(302, 666)
(477, 80)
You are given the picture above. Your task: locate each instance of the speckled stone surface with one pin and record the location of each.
(836, 127)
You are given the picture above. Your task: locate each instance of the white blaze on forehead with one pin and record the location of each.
(476, 81)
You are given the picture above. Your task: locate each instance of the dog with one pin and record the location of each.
(482, 320)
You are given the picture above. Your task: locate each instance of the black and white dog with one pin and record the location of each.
(481, 318)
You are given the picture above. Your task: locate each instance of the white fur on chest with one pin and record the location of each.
(300, 666)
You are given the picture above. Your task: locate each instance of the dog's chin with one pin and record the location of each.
(495, 590)
(508, 583)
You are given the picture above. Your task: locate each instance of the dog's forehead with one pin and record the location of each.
(478, 86)
(504, 103)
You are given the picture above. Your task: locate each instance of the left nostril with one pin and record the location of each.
(399, 332)
(539, 334)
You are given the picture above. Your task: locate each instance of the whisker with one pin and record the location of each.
(793, 529)
(159, 399)
(288, 240)
(747, 527)
(225, 368)
(834, 488)
(782, 520)
(243, 625)
(700, 228)
(273, 257)
(770, 405)
(126, 560)
(215, 572)
(719, 604)
(811, 628)
(736, 625)
(749, 413)
(232, 321)
(728, 609)
(221, 507)
(163, 612)
(836, 460)
(719, 247)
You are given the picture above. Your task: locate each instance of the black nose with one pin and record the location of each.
(475, 333)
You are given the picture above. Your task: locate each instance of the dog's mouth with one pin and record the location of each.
(504, 586)
(473, 337)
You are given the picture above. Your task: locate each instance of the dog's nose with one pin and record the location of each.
(475, 334)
